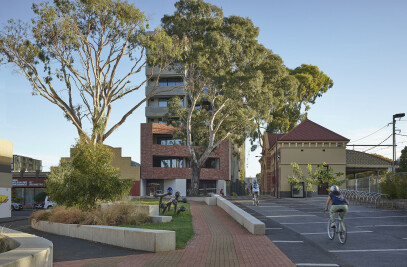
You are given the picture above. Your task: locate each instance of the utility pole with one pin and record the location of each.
(399, 115)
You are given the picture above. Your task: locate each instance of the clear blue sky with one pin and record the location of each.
(360, 44)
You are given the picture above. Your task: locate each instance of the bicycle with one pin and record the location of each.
(255, 199)
(340, 228)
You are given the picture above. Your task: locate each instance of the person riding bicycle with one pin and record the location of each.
(339, 202)
(255, 189)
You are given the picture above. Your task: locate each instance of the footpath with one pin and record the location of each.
(218, 241)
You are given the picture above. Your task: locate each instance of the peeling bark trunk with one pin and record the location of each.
(196, 173)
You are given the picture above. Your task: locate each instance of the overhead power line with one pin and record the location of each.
(372, 133)
(379, 143)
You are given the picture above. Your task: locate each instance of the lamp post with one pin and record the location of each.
(395, 116)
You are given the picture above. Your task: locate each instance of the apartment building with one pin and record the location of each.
(164, 160)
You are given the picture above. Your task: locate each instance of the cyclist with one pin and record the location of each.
(255, 189)
(339, 202)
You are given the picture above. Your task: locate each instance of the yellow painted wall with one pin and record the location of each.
(6, 154)
(123, 163)
(314, 154)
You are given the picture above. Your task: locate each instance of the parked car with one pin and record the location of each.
(39, 205)
(16, 206)
(48, 203)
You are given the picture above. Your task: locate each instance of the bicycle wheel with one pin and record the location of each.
(331, 231)
(342, 233)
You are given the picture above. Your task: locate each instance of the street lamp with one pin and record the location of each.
(395, 116)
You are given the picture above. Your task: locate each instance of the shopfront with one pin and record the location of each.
(26, 188)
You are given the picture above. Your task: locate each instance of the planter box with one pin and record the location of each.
(133, 238)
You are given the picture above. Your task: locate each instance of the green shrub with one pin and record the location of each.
(87, 178)
(394, 185)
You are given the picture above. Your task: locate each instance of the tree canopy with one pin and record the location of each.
(225, 79)
(403, 160)
(310, 83)
(83, 56)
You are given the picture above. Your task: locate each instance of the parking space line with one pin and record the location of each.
(349, 232)
(381, 217)
(317, 264)
(305, 222)
(369, 250)
(295, 215)
(286, 241)
(383, 225)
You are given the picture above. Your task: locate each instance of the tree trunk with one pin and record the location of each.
(196, 173)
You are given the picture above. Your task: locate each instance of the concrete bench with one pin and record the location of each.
(26, 250)
(161, 219)
(133, 238)
(251, 223)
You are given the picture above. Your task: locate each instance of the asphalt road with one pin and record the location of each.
(66, 248)
(376, 237)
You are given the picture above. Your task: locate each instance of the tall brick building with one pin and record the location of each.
(164, 161)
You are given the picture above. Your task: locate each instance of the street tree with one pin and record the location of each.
(84, 56)
(222, 79)
(309, 179)
(86, 178)
(403, 161)
(314, 177)
(311, 83)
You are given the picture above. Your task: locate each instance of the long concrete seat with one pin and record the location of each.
(133, 238)
(26, 250)
(251, 223)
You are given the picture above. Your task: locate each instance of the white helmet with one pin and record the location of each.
(334, 188)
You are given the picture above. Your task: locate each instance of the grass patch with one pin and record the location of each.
(142, 201)
(181, 224)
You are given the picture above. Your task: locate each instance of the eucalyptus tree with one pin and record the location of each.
(84, 56)
(223, 79)
(311, 83)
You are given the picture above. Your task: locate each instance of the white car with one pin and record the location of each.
(48, 203)
(16, 206)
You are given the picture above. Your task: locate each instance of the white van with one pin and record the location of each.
(48, 203)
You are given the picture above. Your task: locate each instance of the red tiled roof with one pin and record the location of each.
(310, 131)
(272, 138)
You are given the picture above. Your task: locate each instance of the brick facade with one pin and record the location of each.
(148, 150)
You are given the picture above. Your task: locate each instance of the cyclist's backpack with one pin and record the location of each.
(255, 186)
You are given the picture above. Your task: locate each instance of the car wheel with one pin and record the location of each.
(49, 207)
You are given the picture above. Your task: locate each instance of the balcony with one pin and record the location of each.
(168, 71)
(165, 90)
(152, 112)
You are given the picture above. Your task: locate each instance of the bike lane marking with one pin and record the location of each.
(349, 232)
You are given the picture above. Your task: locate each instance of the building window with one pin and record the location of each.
(211, 163)
(168, 162)
(170, 81)
(160, 139)
(163, 102)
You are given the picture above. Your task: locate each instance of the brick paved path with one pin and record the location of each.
(218, 241)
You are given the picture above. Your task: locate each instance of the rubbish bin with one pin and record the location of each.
(297, 191)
